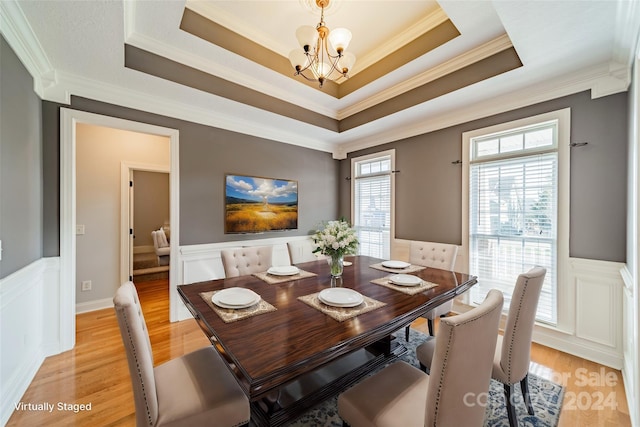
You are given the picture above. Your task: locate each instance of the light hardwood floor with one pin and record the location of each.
(95, 372)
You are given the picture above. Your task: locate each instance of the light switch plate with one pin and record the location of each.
(79, 229)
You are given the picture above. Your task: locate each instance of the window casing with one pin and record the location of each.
(372, 202)
(516, 206)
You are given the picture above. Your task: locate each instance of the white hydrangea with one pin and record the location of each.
(336, 238)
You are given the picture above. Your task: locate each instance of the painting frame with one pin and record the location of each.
(257, 204)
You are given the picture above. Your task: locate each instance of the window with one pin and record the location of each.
(514, 219)
(372, 206)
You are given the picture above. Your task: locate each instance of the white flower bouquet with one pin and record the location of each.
(336, 240)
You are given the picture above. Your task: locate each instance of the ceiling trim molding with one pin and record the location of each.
(208, 27)
(129, 19)
(220, 37)
(156, 65)
(627, 29)
(20, 36)
(209, 11)
(151, 45)
(617, 79)
(112, 94)
(424, 25)
(481, 52)
(569, 85)
(475, 73)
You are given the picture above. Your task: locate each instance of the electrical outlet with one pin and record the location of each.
(86, 285)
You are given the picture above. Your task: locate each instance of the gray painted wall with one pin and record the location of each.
(206, 155)
(429, 187)
(20, 165)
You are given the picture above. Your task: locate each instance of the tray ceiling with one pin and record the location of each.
(421, 65)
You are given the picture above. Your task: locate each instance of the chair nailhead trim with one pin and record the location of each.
(135, 356)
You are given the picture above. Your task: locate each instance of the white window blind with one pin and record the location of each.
(513, 213)
(372, 206)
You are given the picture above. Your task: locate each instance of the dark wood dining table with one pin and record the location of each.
(292, 358)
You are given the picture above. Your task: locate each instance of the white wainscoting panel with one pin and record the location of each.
(204, 262)
(598, 308)
(629, 346)
(29, 328)
(595, 331)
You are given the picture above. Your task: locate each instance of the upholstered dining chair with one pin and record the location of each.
(245, 261)
(402, 395)
(513, 349)
(302, 251)
(436, 255)
(188, 391)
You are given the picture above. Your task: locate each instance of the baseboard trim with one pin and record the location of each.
(17, 384)
(628, 378)
(101, 304)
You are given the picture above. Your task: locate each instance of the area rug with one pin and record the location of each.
(546, 398)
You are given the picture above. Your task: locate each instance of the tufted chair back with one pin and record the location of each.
(139, 355)
(245, 261)
(515, 344)
(430, 254)
(453, 378)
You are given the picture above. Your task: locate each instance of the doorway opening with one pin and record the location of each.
(149, 214)
(71, 120)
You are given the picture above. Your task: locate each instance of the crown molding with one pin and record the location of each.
(227, 20)
(231, 22)
(568, 85)
(112, 94)
(129, 18)
(627, 30)
(617, 79)
(472, 56)
(424, 25)
(19, 34)
(217, 69)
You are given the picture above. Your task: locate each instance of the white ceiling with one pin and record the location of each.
(77, 48)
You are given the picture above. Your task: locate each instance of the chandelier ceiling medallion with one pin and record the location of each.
(316, 55)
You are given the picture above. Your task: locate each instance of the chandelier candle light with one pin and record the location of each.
(336, 240)
(315, 54)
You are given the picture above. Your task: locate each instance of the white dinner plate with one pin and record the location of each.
(395, 264)
(341, 297)
(235, 298)
(285, 270)
(347, 263)
(405, 280)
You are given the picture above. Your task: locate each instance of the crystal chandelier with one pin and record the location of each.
(315, 55)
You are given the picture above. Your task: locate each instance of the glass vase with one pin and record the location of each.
(336, 263)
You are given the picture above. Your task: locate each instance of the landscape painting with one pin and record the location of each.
(256, 205)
